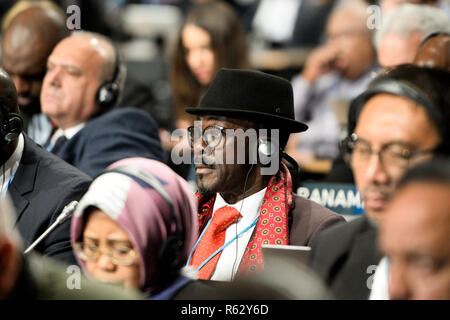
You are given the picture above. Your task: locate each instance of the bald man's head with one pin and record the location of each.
(76, 68)
(26, 45)
(434, 52)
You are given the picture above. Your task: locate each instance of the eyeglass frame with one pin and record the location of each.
(347, 151)
(78, 249)
(191, 137)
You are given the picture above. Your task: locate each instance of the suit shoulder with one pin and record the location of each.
(118, 115)
(51, 165)
(344, 232)
(315, 211)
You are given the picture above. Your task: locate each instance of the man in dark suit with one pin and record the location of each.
(40, 184)
(82, 84)
(245, 185)
(399, 121)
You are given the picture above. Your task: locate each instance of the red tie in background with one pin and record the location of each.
(212, 240)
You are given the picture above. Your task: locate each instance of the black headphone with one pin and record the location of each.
(11, 127)
(108, 93)
(170, 250)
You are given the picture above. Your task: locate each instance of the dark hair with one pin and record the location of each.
(436, 170)
(228, 43)
(428, 88)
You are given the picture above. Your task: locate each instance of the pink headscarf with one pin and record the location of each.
(143, 213)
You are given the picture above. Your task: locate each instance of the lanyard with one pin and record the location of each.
(7, 186)
(221, 248)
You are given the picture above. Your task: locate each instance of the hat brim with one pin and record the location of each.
(284, 123)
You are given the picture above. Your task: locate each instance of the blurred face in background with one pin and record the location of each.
(26, 65)
(415, 236)
(391, 131)
(108, 252)
(350, 39)
(200, 57)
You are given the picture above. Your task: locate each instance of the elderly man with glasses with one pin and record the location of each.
(399, 121)
(246, 197)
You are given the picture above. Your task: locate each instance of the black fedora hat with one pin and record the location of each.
(251, 95)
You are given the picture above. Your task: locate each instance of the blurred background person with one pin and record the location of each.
(397, 42)
(402, 31)
(415, 234)
(286, 24)
(211, 37)
(26, 44)
(333, 75)
(31, 277)
(121, 228)
(434, 51)
(97, 16)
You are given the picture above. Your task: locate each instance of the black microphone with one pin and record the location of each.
(65, 214)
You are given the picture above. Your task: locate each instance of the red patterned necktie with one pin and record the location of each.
(212, 240)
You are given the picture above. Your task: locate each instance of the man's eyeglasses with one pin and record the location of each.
(390, 155)
(212, 135)
(119, 254)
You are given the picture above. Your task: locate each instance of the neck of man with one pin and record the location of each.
(7, 151)
(255, 182)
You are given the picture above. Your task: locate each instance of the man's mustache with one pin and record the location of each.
(384, 191)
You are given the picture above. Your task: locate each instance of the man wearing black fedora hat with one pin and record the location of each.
(246, 197)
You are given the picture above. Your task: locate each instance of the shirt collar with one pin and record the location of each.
(10, 167)
(68, 133)
(246, 206)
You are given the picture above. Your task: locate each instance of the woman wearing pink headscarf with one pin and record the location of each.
(122, 222)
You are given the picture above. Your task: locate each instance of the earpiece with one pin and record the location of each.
(108, 93)
(170, 250)
(11, 127)
(266, 151)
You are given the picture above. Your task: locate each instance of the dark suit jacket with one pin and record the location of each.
(115, 135)
(308, 219)
(42, 186)
(342, 256)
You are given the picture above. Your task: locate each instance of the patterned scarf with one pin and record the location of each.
(272, 226)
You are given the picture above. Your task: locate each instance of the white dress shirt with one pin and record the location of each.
(9, 168)
(39, 128)
(231, 257)
(380, 285)
(68, 133)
